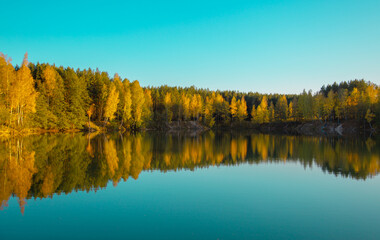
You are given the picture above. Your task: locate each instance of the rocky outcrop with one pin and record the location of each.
(185, 126)
(314, 128)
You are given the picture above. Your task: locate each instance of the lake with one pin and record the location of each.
(216, 185)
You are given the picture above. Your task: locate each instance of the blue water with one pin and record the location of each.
(265, 201)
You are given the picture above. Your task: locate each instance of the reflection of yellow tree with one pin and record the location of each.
(147, 151)
(167, 158)
(127, 153)
(20, 168)
(185, 155)
(64, 163)
(196, 152)
(262, 143)
(374, 167)
(243, 148)
(90, 149)
(283, 149)
(111, 156)
(233, 150)
(48, 183)
(208, 144)
(137, 163)
(219, 158)
(5, 184)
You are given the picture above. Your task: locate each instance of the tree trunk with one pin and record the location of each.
(89, 123)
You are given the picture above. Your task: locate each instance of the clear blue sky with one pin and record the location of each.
(265, 46)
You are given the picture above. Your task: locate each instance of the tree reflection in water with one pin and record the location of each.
(40, 166)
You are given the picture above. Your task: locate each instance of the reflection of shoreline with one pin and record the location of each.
(40, 166)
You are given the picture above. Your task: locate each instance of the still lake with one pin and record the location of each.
(217, 185)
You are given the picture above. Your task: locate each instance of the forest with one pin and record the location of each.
(47, 97)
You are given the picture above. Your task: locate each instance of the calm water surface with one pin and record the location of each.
(211, 186)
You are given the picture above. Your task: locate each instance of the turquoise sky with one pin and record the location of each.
(265, 46)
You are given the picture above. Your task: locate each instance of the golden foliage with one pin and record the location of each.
(111, 104)
(138, 100)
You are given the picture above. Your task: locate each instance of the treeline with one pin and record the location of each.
(40, 166)
(49, 97)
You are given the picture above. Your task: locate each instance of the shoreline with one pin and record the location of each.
(308, 128)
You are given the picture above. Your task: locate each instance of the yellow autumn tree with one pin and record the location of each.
(111, 104)
(22, 94)
(7, 74)
(242, 109)
(148, 106)
(209, 112)
(126, 114)
(185, 100)
(138, 100)
(195, 106)
(262, 111)
(290, 112)
(371, 94)
(168, 107)
(353, 101)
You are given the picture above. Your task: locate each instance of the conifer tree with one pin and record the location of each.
(271, 113)
(341, 104)
(253, 114)
(305, 105)
(49, 76)
(77, 97)
(318, 105)
(220, 107)
(328, 105)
